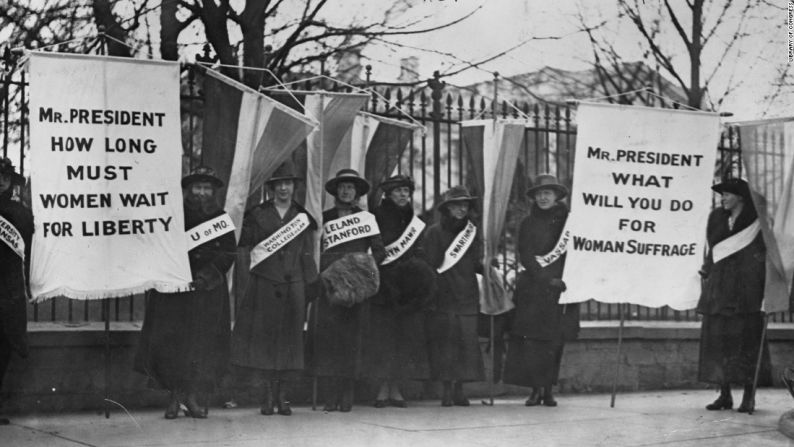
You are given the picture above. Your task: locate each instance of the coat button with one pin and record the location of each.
(288, 277)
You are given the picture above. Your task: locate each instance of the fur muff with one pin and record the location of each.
(351, 279)
(416, 282)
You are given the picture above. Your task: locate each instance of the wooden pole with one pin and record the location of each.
(106, 311)
(758, 362)
(617, 359)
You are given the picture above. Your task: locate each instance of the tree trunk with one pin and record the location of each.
(695, 90)
(103, 15)
(169, 31)
(214, 19)
(252, 24)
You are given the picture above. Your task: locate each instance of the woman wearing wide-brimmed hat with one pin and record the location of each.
(540, 326)
(733, 289)
(454, 250)
(184, 344)
(13, 285)
(395, 342)
(349, 277)
(268, 331)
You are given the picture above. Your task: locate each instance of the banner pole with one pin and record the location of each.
(617, 359)
(106, 311)
(758, 362)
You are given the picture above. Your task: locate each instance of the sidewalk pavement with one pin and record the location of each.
(669, 418)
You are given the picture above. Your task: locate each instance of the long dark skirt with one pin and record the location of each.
(333, 345)
(455, 348)
(534, 363)
(729, 350)
(395, 345)
(184, 343)
(268, 333)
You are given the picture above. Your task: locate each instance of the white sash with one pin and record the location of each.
(559, 249)
(349, 228)
(10, 235)
(738, 241)
(458, 247)
(405, 241)
(279, 239)
(209, 230)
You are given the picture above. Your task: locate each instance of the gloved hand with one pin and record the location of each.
(314, 289)
(198, 284)
(557, 283)
(703, 273)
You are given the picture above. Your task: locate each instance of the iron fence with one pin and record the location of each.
(434, 159)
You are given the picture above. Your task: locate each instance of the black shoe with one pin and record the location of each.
(534, 399)
(446, 398)
(172, 411)
(399, 403)
(381, 403)
(548, 400)
(457, 396)
(330, 407)
(722, 403)
(284, 408)
(4, 421)
(748, 401)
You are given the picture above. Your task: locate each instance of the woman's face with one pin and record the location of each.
(202, 190)
(458, 210)
(283, 190)
(346, 192)
(731, 200)
(545, 198)
(400, 195)
(5, 183)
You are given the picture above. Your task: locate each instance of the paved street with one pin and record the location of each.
(675, 418)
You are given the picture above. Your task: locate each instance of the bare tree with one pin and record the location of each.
(674, 37)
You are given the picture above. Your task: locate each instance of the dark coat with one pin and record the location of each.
(184, 342)
(335, 332)
(452, 325)
(457, 290)
(395, 342)
(730, 302)
(13, 288)
(735, 285)
(537, 314)
(268, 331)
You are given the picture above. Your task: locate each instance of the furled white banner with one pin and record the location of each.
(640, 201)
(768, 161)
(105, 165)
(492, 147)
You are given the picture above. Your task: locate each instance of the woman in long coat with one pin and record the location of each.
(268, 332)
(395, 342)
(455, 355)
(184, 345)
(733, 290)
(335, 330)
(540, 325)
(13, 286)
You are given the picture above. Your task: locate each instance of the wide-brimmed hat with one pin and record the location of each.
(548, 181)
(733, 185)
(456, 194)
(347, 175)
(397, 181)
(7, 168)
(286, 171)
(202, 174)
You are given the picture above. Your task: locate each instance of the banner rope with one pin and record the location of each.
(644, 89)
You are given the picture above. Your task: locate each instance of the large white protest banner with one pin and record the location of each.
(105, 165)
(640, 201)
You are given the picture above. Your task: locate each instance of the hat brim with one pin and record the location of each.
(362, 186)
(277, 179)
(560, 190)
(740, 189)
(195, 178)
(389, 185)
(469, 199)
